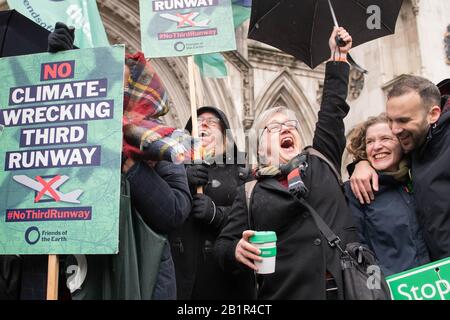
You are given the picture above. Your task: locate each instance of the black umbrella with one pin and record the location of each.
(444, 87)
(19, 35)
(302, 27)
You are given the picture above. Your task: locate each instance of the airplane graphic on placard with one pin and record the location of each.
(186, 20)
(48, 187)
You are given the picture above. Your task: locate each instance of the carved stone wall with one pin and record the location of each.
(447, 44)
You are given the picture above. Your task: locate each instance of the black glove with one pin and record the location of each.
(197, 175)
(61, 39)
(203, 208)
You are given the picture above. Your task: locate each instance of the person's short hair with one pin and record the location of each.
(427, 90)
(356, 145)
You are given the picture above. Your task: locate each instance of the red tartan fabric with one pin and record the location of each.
(145, 99)
(145, 94)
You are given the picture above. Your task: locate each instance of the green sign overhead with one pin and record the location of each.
(81, 14)
(186, 27)
(428, 282)
(60, 154)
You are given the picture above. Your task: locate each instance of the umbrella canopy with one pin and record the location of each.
(302, 27)
(444, 87)
(19, 35)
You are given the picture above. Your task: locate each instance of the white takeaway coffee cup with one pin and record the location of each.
(266, 241)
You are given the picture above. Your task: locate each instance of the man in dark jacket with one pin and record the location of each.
(198, 274)
(423, 128)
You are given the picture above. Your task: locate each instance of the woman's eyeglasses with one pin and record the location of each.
(276, 126)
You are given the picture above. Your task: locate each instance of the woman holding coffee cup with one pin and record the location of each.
(306, 267)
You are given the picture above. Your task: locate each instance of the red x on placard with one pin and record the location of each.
(46, 186)
(186, 18)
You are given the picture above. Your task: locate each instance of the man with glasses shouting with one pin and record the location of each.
(222, 171)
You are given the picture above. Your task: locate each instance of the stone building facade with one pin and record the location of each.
(261, 77)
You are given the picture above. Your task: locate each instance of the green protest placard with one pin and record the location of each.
(81, 14)
(60, 155)
(428, 282)
(186, 27)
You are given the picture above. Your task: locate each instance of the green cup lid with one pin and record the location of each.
(263, 237)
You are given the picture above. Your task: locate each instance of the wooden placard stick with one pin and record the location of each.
(193, 100)
(52, 277)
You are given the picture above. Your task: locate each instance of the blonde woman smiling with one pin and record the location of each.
(388, 225)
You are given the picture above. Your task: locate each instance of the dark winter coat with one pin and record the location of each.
(10, 277)
(389, 226)
(198, 274)
(161, 195)
(431, 184)
(303, 255)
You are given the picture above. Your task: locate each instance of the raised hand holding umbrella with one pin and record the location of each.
(341, 41)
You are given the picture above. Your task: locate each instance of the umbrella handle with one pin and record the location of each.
(340, 42)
